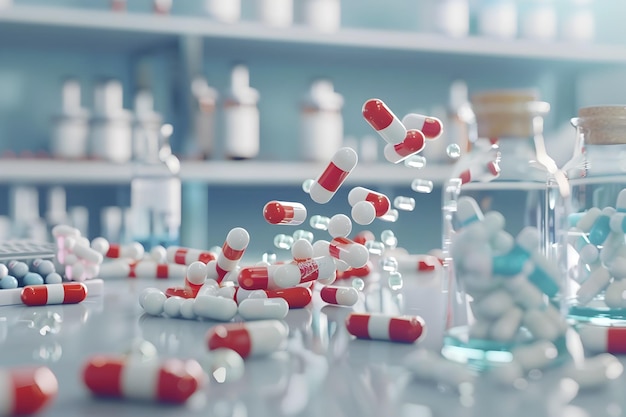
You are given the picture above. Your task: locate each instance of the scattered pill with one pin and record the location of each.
(329, 181)
(343, 296)
(263, 308)
(284, 213)
(255, 338)
(383, 121)
(26, 390)
(65, 293)
(406, 329)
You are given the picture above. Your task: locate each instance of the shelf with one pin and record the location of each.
(70, 26)
(46, 171)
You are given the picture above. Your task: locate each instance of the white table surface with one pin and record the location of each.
(324, 371)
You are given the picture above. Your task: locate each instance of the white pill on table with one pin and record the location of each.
(186, 309)
(215, 308)
(153, 303)
(172, 305)
(263, 308)
(595, 372)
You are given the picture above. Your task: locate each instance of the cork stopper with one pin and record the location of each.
(602, 125)
(507, 113)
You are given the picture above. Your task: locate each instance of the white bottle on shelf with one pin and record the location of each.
(275, 13)
(70, 128)
(146, 122)
(203, 117)
(241, 117)
(321, 122)
(111, 124)
(225, 11)
(578, 21)
(451, 17)
(155, 193)
(538, 20)
(498, 18)
(323, 15)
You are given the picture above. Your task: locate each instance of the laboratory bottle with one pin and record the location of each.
(111, 124)
(147, 121)
(538, 20)
(322, 15)
(452, 17)
(241, 117)
(70, 128)
(498, 18)
(225, 11)
(577, 22)
(155, 192)
(275, 13)
(203, 117)
(593, 257)
(321, 122)
(501, 287)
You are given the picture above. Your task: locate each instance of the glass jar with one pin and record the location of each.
(502, 285)
(594, 258)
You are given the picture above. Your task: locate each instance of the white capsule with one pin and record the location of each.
(597, 281)
(172, 305)
(312, 269)
(196, 273)
(363, 213)
(186, 309)
(100, 245)
(153, 303)
(215, 308)
(468, 211)
(301, 249)
(210, 287)
(339, 226)
(327, 183)
(617, 268)
(588, 219)
(524, 292)
(588, 253)
(493, 305)
(536, 355)
(263, 308)
(144, 293)
(158, 254)
(507, 373)
(540, 325)
(227, 292)
(243, 294)
(429, 366)
(506, 327)
(115, 269)
(615, 294)
(595, 372)
(88, 254)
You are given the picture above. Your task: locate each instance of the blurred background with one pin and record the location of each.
(255, 97)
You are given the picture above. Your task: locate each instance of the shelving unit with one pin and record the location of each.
(233, 173)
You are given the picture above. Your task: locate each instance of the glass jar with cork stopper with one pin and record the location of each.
(594, 252)
(502, 281)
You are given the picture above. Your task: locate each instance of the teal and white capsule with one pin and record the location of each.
(585, 222)
(618, 222)
(544, 274)
(601, 227)
(468, 211)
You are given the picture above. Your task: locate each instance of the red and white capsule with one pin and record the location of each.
(133, 250)
(64, 293)
(256, 338)
(354, 254)
(234, 247)
(405, 329)
(284, 213)
(306, 270)
(329, 181)
(483, 172)
(26, 390)
(186, 256)
(384, 121)
(258, 277)
(341, 296)
(152, 270)
(165, 381)
(419, 263)
(296, 297)
(430, 126)
(602, 339)
(413, 143)
(363, 271)
(379, 200)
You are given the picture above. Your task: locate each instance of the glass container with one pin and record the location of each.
(502, 280)
(594, 260)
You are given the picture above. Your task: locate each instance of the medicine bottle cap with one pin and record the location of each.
(602, 125)
(507, 113)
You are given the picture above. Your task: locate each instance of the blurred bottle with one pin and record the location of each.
(111, 124)
(203, 114)
(323, 15)
(538, 20)
(578, 21)
(155, 192)
(448, 17)
(70, 128)
(241, 116)
(321, 122)
(146, 122)
(460, 125)
(275, 13)
(225, 11)
(497, 18)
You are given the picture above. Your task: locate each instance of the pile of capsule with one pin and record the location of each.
(510, 283)
(597, 236)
